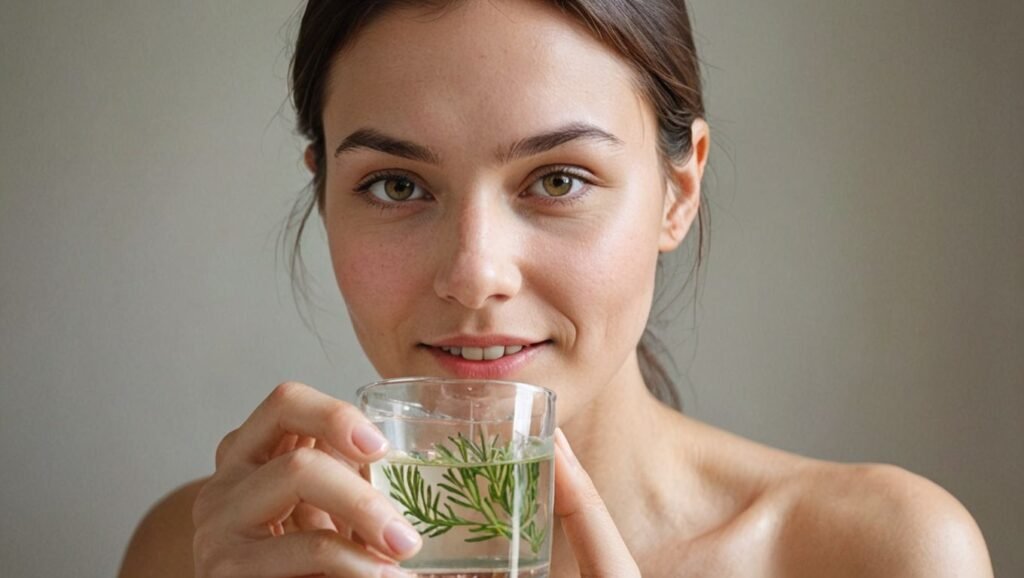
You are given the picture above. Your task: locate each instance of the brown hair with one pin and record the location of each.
(653, 36)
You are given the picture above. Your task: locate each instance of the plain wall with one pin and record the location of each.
(863, 298)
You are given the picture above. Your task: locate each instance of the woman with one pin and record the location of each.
(501, 176)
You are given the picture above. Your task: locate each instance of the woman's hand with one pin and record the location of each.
(599, 549)
(295, 463)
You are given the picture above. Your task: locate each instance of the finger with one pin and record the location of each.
(311, 476)
(297, 408)
(285, 442)
(286, 523)
(285, 445)
(342, 528)
(276, 528)
(329, 450)
(596, 543)
(300, 554)
(308, 517)
(224, 447)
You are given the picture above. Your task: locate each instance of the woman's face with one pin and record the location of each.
(493, 182)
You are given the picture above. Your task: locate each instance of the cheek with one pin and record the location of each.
(620, 267)
(376, 280)
(606, 280)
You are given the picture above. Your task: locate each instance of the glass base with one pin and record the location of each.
(468, 571)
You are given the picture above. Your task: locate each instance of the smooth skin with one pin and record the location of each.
(478, 243)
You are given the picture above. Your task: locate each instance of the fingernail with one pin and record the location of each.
(564, 444)
(368, 439)
(400, 537)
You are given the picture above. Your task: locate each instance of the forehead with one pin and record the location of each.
(484, 72)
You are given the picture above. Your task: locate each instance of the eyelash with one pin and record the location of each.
(363, 189)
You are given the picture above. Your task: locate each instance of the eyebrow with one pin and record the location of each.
(368, 138)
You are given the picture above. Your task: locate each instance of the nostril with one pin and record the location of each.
(477, 278)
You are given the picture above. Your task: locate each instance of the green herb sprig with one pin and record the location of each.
(471, 461)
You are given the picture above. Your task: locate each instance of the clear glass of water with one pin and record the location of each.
(470, 466)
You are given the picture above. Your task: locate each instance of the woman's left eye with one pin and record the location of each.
(558, 185)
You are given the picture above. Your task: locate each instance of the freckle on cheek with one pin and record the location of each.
(367, 273)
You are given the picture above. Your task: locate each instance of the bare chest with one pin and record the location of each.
(746, 548)
(709, 560)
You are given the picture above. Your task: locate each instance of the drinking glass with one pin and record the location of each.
(470, 466)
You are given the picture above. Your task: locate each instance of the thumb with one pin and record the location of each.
(599, 549)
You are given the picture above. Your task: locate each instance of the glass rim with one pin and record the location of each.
(550, 395)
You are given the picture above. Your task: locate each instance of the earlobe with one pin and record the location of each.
(682, 201)
(679, 215)
(310, 159)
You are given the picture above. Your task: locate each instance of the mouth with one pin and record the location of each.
(489, 362)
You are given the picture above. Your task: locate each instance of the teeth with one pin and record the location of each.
(483, 353)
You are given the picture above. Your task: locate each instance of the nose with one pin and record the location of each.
(478, 261)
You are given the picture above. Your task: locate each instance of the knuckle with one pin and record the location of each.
(285, 391)
(586, 502)
(340, 412)
(368, 505)
(592, 501)
(225, 446)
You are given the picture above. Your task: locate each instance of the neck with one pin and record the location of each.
(613, 425)
(628, 442)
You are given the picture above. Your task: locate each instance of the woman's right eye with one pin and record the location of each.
(391, 189)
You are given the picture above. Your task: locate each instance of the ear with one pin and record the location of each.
(310, 158)
(682, 196)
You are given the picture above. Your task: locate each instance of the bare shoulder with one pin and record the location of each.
(875, 520)
(162, 542)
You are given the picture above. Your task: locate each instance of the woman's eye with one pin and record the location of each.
(556, 185)
(392, 189)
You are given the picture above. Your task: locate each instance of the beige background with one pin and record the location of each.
(863, 299)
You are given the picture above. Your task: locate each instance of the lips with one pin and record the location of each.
(482, 341)
(483, 353)
(490, 361)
